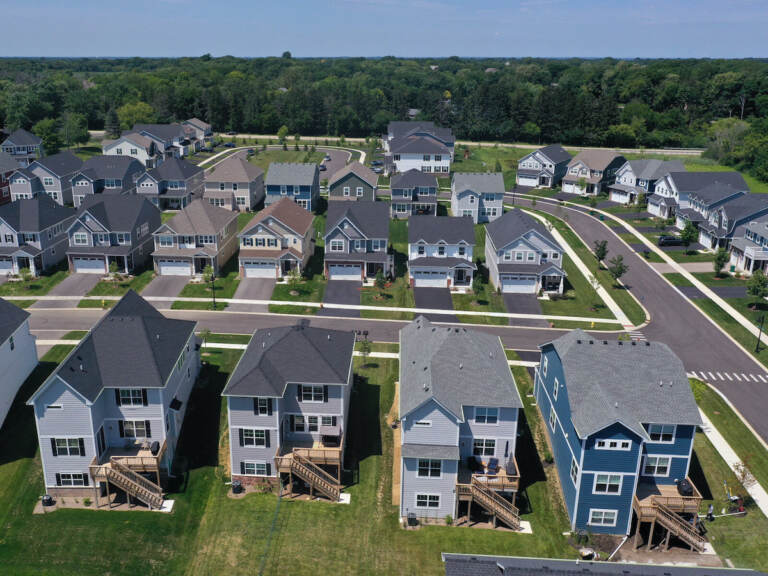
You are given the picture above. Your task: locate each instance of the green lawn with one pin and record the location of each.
(579, 298)
(229, 338)
(736, 330)
(397, 294)
(75, 335)
(243, 218)
(224, 285)
(484, 160)
(707, 278)
(682, 256)
(380, 346)
(487, 300)
(319, 226)
(35, 287)
(263, 158)
(479, 250)
(106, 288)
(311, 289)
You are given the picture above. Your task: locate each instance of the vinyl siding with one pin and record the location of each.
(505, 433)
(621, 502)
(17, 364)
(336, 191)
(444, 429)
(445, 486)
(241, 416)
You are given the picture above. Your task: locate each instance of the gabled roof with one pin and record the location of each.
(363, 172)
(22, 137)
(454, 366)
(175, 169)
(285, 211)
(556, 153)
(11, 317)
(479, 182)
(7, 163)
(133, 345)
(432, 229)
(611, 381)
(401, 128)
(371, 218)
(234, 169)
(200, 217)
(117, 213)
(653, 169)
(140, 140)
(200, 124)
(514, 224)
(60, 164)
(291, 173)
(742, 207)
(714, 192)
(160, 131)
(285, 355)
(102, 167)
(417, 144)
(34, 214)
(413, 178)
(692, 181)
(595, 159)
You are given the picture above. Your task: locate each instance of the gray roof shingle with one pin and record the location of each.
(595, 159)
(693, 181)
(34, 214)
(432, 229)
(60, 164)
(403, 128)
(11, 317)
(23, 137)
(514, 224)
(175, 169)
(479, 182)
(234, 169)
(363, 172)
(454, 366)
(102, 167)
(7, 163)
(160, 131)
(118, 213)
(413, 178)
(371, 218)
(291, 174)
(556, 153)
(653, 169)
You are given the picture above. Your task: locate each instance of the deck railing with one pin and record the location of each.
(676, 502)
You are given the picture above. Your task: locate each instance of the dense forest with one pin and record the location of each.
(720, 104)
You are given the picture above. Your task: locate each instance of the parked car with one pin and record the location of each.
(670, 241)
(322, 168)
(327, 158)
(377, 170)
(377, 163)
(251, 152)
(229, 144)
(231, 133)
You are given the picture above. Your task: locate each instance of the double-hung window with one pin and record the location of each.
(555, 388)
(71, 479)
(255, 468)
(359, 191)
(135, 429)
(429, 468)
(607, 484)
(80, 239)
(462, 250)
(131, 397)
(552, 418)
(421, 250)
(326, 421)
(484, 447)
(346, 190)
(263, 406)
(47, 181)
(602, 517)
(253, 437)
(656, 466)
(68, 447)
(312, 394)
(312, 423)
(298, 423)
(486, 415)
(441, 250)
(574, 472)
(427, 501)
(662, 433)
(337, 245)
(166, 241)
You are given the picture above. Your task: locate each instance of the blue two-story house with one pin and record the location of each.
(621, 420)
(298, 181)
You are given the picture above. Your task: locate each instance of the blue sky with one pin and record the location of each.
(513, 28)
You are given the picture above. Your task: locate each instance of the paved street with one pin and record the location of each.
(73, 285)
(341, 292)
(253, 289)
(523, 304)
(337, 162)
(436, 298)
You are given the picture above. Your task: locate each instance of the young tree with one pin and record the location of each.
(113, 269)
(208, 274)
(135, 113)
(205, 334)
(112, 124)
(617, 268)
(26, 275)
(689, 235)
(294, 277)
(720, 260)
(497, 166)
(380, 282)
(365, 350)
(74, 129)
(48, 130)
(757, 287)
(282, 134)
(592, 202)
(601, 250)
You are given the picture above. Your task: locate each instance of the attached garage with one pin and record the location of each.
(430, 279)
(174, 267)
(259, 269)
(89, 265)
(345, 272)
(518, 284)
(6, 266)
(531, 181)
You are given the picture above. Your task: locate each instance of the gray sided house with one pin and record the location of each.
(522, 256)
(170, 139)
(749, 250)
(109, 417)
(111, 229)
(18, 354)
(592, 171)
(198, 132)
(671, 192)
(134, 146)
(440, 251)
(276, 241)
(543, 168)
(702, 202)
(354, 183)
(413, 192)
(33, 234)
(24, 147)
(201, 235)
(235, 184)
(288, 403)
(637, 178)
(172, 185)
(50, 175)
(8, 166)
(458, 416)
(298, 181)
(479, 196)
(729, 220)
(105, 175)
(357, 241)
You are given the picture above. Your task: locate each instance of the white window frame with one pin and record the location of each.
(555, 388)
(483, 414)
(429, 468)
(422, 424)
(346, 190)
(544, 362)
(613, 444)
(262, 406)
(134, 424)
(80, 239)
(359, 191)
(661, 428)
(254, 438)
(552, 417)
(574, 472)
(131, 397)
(256, 464)
(428, 498)
(71, 479)
(608, 484)
(602, 513)
(336, 246)
(655, 473)
(70, 447)
(487, 443)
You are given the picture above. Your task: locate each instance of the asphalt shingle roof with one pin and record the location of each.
(488, 182)
(291, 174)
(34, 214)
(556, 153)
(612, 381)
(297, 354)
(371, 218)
(285, 211)
(413, 178)
(714, 192)
(402, 128)
(175, 169)
(22, 137)
(234, 169)
(118, 213)
(160, 131)
(200, 217)
(514, 224)
(7, 163)
(61, 164)
(692, 181)
(417, 144)
(454, 366)
(101, 167)
(11, 317)
(363, 172)
(653, 169)
(432, 229)
(595, 159)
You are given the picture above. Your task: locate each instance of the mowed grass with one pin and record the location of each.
(136, 283)
(397, 294)
(39, 286)
(311, 288)
(485, 300)
(225, 285)
(484, 160)
(263, 158)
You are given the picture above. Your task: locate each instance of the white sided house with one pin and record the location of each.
(672, 191)
(18, 354)
(749, 252)
(637, 178)
(440, 251)
(418, 146)
(135, 146)
(543, 168)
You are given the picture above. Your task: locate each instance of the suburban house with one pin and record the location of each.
(357, 241)
(109, 417)
(200, 235)
(172, 185)
(277, 240)
(749, 252)
(440, 251)
(112, 229)
(354, 182)
(478, 195)
(298, 181)
(458, 409)
(729, 220)
(33, 234)
(637, 178)
(522, 256)
(105, 175)
(672, 190)
(51, 175)
(8, 166)
(134, 146)
(621, 419)
(413, 192)
(702, 202)
(592, 171)
(18, 354)
(235, 184)
(288, 404)
(23, 146)
(170, 139)
(198, 132)
(418, 146)
(543, 168)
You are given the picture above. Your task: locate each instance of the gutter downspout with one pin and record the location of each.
(618, 547)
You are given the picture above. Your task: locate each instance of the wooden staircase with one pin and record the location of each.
(679, 527)
(495, 504)
(317, 478)
(133, 484)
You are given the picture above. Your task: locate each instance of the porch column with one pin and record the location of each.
(562, 284)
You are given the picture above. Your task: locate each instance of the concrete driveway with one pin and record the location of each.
(253, 289)
(74, 285)
(165, 286)
(435, 298)
(523, 304)
(341, 292)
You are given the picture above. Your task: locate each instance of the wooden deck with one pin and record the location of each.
(138, 458)
(314, 451)
(649, 495)
(502, 481)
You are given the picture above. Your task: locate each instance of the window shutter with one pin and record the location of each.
(242, 468)
(144, 396)
(120, 427)
(255, 405)
(298, 393)
(117, 396)
(53, 446)
(333, 421)
(269, 406)
(242, 442)
(293, 427)
(81, 441)
(149, 428)
(58, 479)
(269, 469)
(85, 479)
(325, 393)
(266, 438)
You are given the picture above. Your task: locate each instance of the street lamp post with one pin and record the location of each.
(759, 334)
(213, 288)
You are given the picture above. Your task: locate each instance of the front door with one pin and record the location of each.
(461, 276)
(200, 264)
(22, 262)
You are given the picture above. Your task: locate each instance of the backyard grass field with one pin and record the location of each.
(263, 158)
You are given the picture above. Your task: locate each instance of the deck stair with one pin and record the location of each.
(317, 478)
(679, 527)
(495, 504)
(133, 484)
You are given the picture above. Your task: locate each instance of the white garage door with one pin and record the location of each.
(527, 180)
(175, 268)
(6, 266)
(88, 265)
(518, 284)
(423, 279)
(345, 272)
(259, 269)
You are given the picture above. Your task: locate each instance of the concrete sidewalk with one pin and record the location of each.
(692, 267)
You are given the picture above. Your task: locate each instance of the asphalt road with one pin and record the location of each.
(337, 162)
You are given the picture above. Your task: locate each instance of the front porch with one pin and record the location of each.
(12, 264)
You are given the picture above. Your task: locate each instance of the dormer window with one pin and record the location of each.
(441, 250)
(462, 250)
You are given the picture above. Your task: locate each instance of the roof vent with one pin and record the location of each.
(578, 341)
(433, 328)
(329, 336)
(605, 342)
(426, 386)
(647, 343)
(263, 344)
(490, 354)
(461, 366)
(615, 404)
